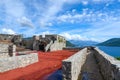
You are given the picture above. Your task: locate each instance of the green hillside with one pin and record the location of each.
(118, 58)
(69, 44)
(111, 42)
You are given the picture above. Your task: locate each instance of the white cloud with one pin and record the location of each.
(103, 1)
(103, 31)
(44, 33)
(25, 22)
(8, 31)
(73, 36)
(53, 7)
(14, 8)
(85, 2)
(98, 32)
(87, 16)
(46, 14)
(11, 11)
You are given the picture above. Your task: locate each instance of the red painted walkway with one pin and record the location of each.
(48, 63)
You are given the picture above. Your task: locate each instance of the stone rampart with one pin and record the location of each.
(71, 67)
(109, 66)
(7, 50)
(10, 63)
(49, 43)
(16, 39)
(57, 46)
(70, 48)
(4, 50)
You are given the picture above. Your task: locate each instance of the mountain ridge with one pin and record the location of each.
(81, 43)
(110, 42)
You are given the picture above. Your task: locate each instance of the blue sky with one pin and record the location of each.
(96, 20)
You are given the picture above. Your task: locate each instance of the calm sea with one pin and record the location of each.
(113, 51)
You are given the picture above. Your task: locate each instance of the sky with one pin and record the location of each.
(95, 20)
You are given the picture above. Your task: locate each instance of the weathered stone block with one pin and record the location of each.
(8, 64)
(71, 67)
(109, 66)
(17, 61)
(4, 50)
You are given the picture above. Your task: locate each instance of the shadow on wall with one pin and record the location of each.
(90, 69)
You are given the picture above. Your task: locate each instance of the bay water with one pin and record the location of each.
(113, 51)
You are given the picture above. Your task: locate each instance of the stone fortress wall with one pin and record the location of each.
(72, 66)
(9, 60)
(44, 43)
(10, 63)
(49, 42)
(108, 66)
(16, 39)
(4, 50)
(6, 37)
(58, 44)
(8, 43)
